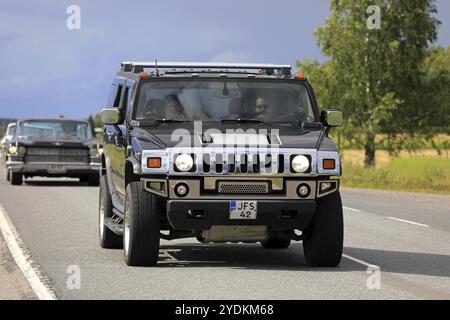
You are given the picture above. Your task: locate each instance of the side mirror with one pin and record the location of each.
(331, 118)
(110, 116)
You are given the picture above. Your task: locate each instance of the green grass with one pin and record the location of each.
(416, 174)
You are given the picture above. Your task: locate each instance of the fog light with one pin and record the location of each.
(303, 190)
(181, 189)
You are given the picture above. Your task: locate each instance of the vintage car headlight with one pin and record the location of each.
(184, 162)
(300, 163)
(21, 150)
(94, 152)
(12, 150)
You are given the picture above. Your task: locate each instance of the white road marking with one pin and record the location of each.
(352, 209)
(392, 218)
(407, 221)
(360, 261)
(23, 259)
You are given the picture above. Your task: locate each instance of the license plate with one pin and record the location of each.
(245, 210)
(56, 168)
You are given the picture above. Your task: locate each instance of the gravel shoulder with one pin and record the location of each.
(13, 284)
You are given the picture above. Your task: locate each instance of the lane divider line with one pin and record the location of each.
(392, 218)
(410, 222)
(37, 280)
(352, 209)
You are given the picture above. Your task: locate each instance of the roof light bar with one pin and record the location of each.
(138, 66)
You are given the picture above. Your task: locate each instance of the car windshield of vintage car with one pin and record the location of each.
(66, 130)
(215, 100)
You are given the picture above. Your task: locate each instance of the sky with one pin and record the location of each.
(47, 69)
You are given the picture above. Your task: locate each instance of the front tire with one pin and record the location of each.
(141, 227)
(15, 178)
(108, 239)
(7, 175)
(324, 238)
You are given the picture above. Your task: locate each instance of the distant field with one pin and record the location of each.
(422, 171)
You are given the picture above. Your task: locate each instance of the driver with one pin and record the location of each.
(173, 108)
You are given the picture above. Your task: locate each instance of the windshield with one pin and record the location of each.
(55, 129)
(265, 100)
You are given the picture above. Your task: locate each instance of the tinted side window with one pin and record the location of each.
(124, 101)
(117, 97)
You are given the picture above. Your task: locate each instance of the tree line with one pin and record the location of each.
(390, 81)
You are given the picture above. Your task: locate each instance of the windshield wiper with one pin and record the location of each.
(159, 121)
(243, 120)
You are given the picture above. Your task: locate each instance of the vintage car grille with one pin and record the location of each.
(243, 187)
(36, 154)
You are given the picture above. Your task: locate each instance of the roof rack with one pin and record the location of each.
(138, 66)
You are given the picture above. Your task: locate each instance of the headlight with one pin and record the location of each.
(300, 163)
(12, 150)
(93, 152)
(21, 150)
(184, 162)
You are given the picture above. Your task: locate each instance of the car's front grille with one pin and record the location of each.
(243, 187)
(239, 163)
(36, 154)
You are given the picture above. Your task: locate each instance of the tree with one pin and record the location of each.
(376, 73)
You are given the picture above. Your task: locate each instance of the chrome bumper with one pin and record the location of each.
(19, 166)
(205, 188)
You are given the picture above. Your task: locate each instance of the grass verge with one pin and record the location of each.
(415, 173)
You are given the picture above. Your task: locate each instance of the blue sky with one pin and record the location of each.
(48, 70)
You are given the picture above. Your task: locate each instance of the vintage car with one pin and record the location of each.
(220, 152)
(53, 148)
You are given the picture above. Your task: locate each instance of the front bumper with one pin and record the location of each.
(45, 168)
(202, 214)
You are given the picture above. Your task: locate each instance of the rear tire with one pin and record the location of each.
(108, 239)
(15, 178)
(324, 238)
(276, 243)
(7, 175)
(141, 227)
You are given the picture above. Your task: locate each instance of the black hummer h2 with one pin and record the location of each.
(220, 152)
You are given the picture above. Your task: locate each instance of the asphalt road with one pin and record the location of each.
(406, 235)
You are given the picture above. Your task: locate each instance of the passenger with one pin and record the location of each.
(262, 108)
(173, 108)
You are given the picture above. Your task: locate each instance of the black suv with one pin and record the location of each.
(220, 152)
(53, 148)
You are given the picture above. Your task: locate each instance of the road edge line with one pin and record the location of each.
(36, 278)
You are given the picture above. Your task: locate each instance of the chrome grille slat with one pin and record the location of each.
(45, 154)
(277, 164)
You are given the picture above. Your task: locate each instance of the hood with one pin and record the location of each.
(284, 135)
